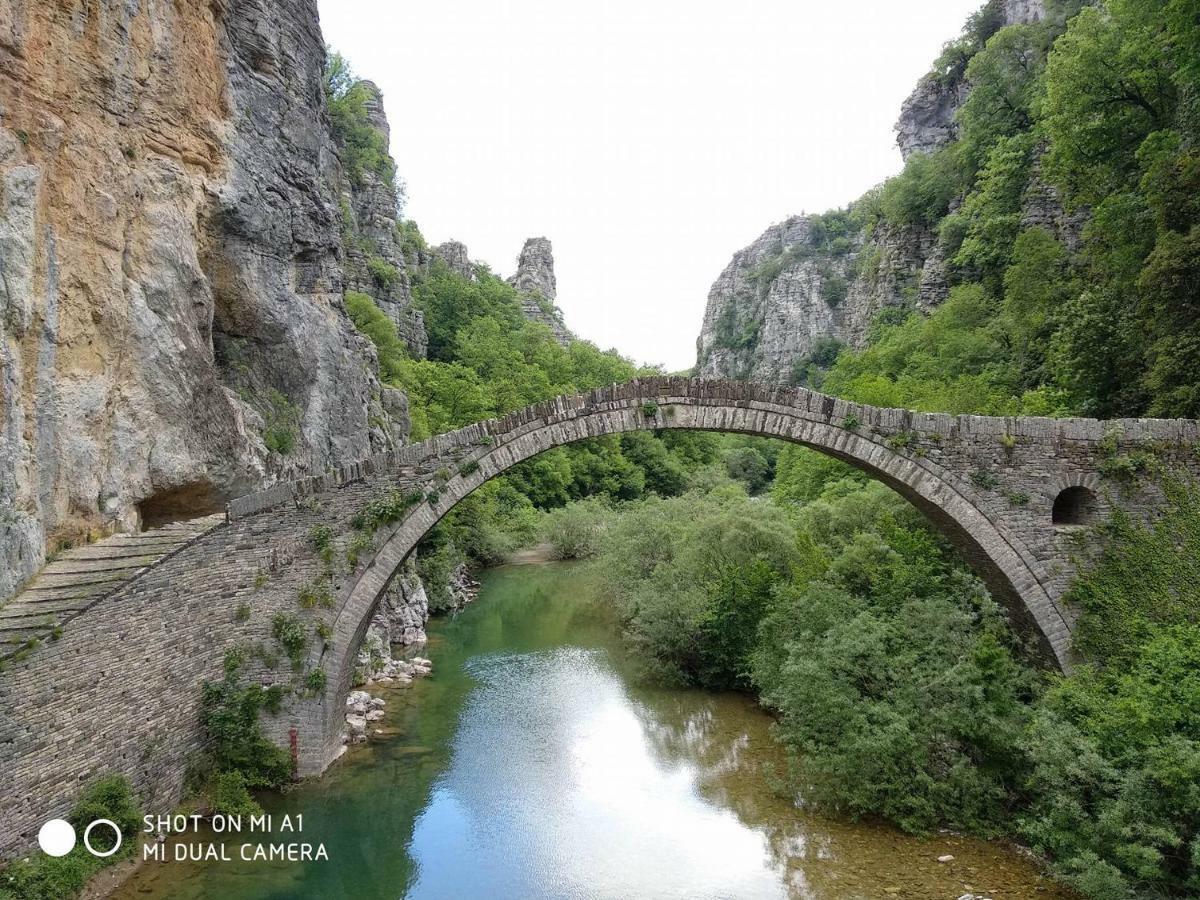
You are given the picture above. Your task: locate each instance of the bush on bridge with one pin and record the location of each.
(238, 755)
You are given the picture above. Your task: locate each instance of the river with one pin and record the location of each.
(534, 765)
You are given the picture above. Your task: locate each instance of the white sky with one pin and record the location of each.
(648, 139)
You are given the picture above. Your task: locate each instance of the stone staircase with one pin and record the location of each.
(79, 578)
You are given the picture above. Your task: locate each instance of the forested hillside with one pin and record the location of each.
(1101, 317)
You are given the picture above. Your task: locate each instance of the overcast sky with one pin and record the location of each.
(648, 139)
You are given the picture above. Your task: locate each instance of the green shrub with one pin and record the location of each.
(381, 329)
(984, 480)
(1116, 761)
(920, 196)
(229, 794)
(282, 423)
(316, 593)
(388, 508)
(436, 569)
(316, 680)
(363, 146)
(834, 288)
(44, 877)
(382, 272)
(289, 633)
(229, 712)
(575, 531)
(361, 544)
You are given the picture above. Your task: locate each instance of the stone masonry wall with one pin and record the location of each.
(119, 691)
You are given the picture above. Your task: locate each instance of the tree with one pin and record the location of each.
(1109, 86)
(1005, 88)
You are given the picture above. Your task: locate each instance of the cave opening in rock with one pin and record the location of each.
(178, 504)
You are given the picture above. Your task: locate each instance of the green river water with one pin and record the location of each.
(533, 765)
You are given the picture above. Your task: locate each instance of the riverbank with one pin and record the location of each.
(535, 752)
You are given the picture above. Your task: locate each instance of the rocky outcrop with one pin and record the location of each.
(399, 620)
(374, 262)
(363, 709)
(1024, 11)
(538, 287)
(1042, 207)
(454, 255)
(928, 116)
(534, 280)
(784, 297)
(171, 244)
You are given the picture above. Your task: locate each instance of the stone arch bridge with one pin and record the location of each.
(113, 683)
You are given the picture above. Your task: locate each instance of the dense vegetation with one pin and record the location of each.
(1101, 106)
(363, 147)
(898, 685)
(486, 359)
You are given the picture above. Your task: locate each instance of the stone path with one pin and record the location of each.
(82, 577)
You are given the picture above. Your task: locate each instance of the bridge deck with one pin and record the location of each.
(79, 578)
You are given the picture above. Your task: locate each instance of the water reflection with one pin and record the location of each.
(533, 765)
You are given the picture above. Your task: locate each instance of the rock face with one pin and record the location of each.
(1041, 206)
(1024, 11)
(785, 297)
(454, 255)
(534, 280)
(374, 262)
(926, 122)
(171, 245)
(538, 287)
(399, 620)
(758, 320)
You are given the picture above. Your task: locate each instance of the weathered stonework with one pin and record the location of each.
(119, 690)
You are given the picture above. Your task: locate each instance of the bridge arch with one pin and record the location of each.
(939, 463)
(152, 632)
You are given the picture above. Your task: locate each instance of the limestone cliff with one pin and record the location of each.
(794, 292)
(927, 116)
(374, 260)
(171, 266)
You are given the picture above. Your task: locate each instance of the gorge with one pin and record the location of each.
(928, 496)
